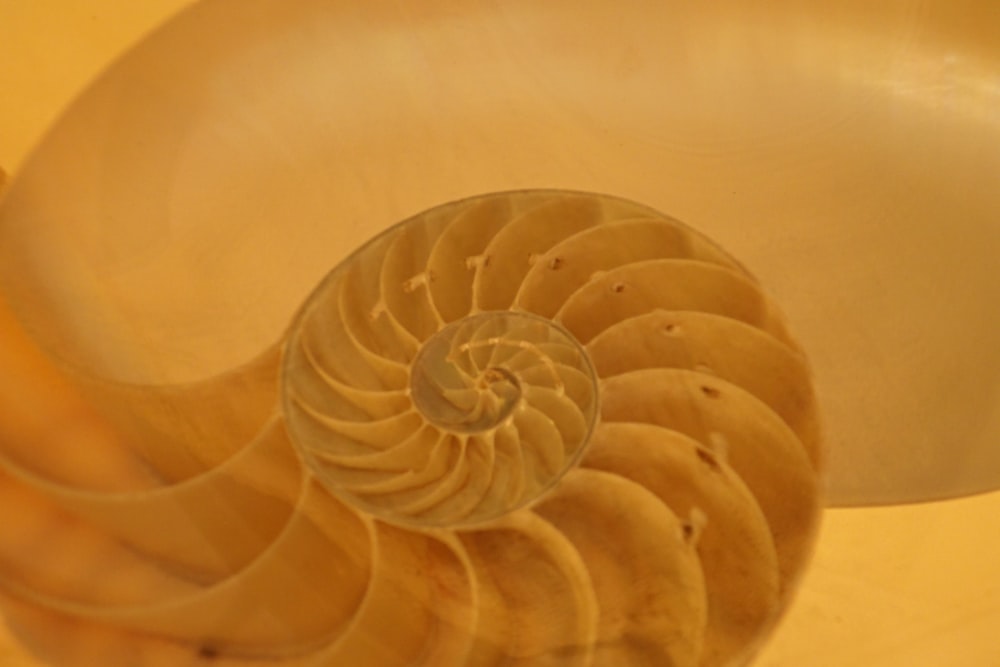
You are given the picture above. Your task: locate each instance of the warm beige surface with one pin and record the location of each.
(910, 586)
(840, 151)
(48, 51)
(51, 49)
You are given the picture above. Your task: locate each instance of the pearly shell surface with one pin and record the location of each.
(526, 428)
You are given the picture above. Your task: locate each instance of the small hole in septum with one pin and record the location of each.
(208, 652)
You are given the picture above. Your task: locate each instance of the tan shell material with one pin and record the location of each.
(529, 428)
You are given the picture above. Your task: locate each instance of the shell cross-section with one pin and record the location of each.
(535, 428)
(496, 407)
(580, 359)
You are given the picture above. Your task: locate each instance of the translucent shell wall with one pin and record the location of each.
(527, 428)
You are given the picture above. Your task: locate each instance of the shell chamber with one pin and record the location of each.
(530, 428)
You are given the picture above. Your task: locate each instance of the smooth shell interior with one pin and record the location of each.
(522, 484)
(842, 151)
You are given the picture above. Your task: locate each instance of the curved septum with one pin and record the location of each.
(501, 405)
(436, 445)
(472, 375)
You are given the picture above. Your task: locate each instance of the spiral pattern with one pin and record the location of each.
(497, 406)
(531, 428)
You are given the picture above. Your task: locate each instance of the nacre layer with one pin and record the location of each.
(526, 428)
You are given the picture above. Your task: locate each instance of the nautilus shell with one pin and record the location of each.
(530, 428)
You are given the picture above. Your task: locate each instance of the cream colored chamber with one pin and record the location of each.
(847, 154)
